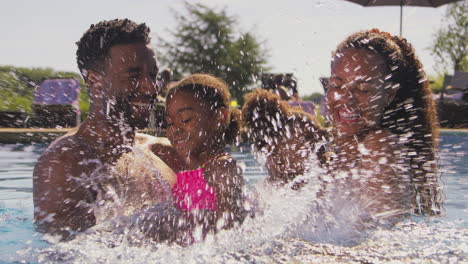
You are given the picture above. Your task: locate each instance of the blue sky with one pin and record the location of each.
(300, 34)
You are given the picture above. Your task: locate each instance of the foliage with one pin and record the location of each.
(437, 82)
(17, 87)
(315, 97)
(450, 43)
(205, 41)
(320, 118)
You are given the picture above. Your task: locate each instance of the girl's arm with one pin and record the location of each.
(225, 177)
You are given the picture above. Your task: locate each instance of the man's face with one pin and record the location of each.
(130, 82)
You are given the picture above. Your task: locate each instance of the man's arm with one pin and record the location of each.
(60, 197)
(162, 148)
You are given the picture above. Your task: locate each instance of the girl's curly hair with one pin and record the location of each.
(215, 93)
(265, 117)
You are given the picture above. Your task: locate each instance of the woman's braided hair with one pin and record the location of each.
(412, 113)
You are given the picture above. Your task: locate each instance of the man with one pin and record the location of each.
(119, 66)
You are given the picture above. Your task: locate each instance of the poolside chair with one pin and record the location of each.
(56, 103)
(453, 102)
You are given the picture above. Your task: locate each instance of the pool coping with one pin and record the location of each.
(47, 135)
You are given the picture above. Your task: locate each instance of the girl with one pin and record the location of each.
(200, 124)
(288, 136)
(384, 121)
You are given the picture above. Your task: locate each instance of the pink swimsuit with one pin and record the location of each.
(192, 191)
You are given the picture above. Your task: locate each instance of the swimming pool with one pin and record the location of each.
(440, 239)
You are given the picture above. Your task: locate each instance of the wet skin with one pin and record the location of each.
(195, 131)
(121, 96)
(193, 128)
(358, 92)
(288, 157)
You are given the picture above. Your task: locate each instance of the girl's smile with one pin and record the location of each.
(193, 127)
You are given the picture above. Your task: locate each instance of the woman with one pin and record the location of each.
(384, 129)
(384, 121)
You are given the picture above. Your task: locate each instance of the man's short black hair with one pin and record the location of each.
(94, 46)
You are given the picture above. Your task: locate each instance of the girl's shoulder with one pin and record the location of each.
(224, 161)
(222, 169)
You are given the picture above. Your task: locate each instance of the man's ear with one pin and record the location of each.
(94, 81)
(93, 78)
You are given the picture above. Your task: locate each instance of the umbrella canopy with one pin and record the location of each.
(401, 3)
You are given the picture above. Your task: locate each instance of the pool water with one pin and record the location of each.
(418, 240)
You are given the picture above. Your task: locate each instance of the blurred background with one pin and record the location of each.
(280, 45)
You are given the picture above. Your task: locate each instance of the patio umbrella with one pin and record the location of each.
(401, 3)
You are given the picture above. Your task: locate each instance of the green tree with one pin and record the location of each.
(450, 42)
(312, 97)
(436, 82)
(205, 41)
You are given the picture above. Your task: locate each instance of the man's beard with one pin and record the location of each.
(135, 117)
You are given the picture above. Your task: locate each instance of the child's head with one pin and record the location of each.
(198, 115)
(285, 134)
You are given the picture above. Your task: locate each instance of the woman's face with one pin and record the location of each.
(358, 91)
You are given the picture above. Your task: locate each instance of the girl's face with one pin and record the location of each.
(192, 126)
(358, 91)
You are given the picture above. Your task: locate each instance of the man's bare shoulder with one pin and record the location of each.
(160, 146)
(67, 148)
